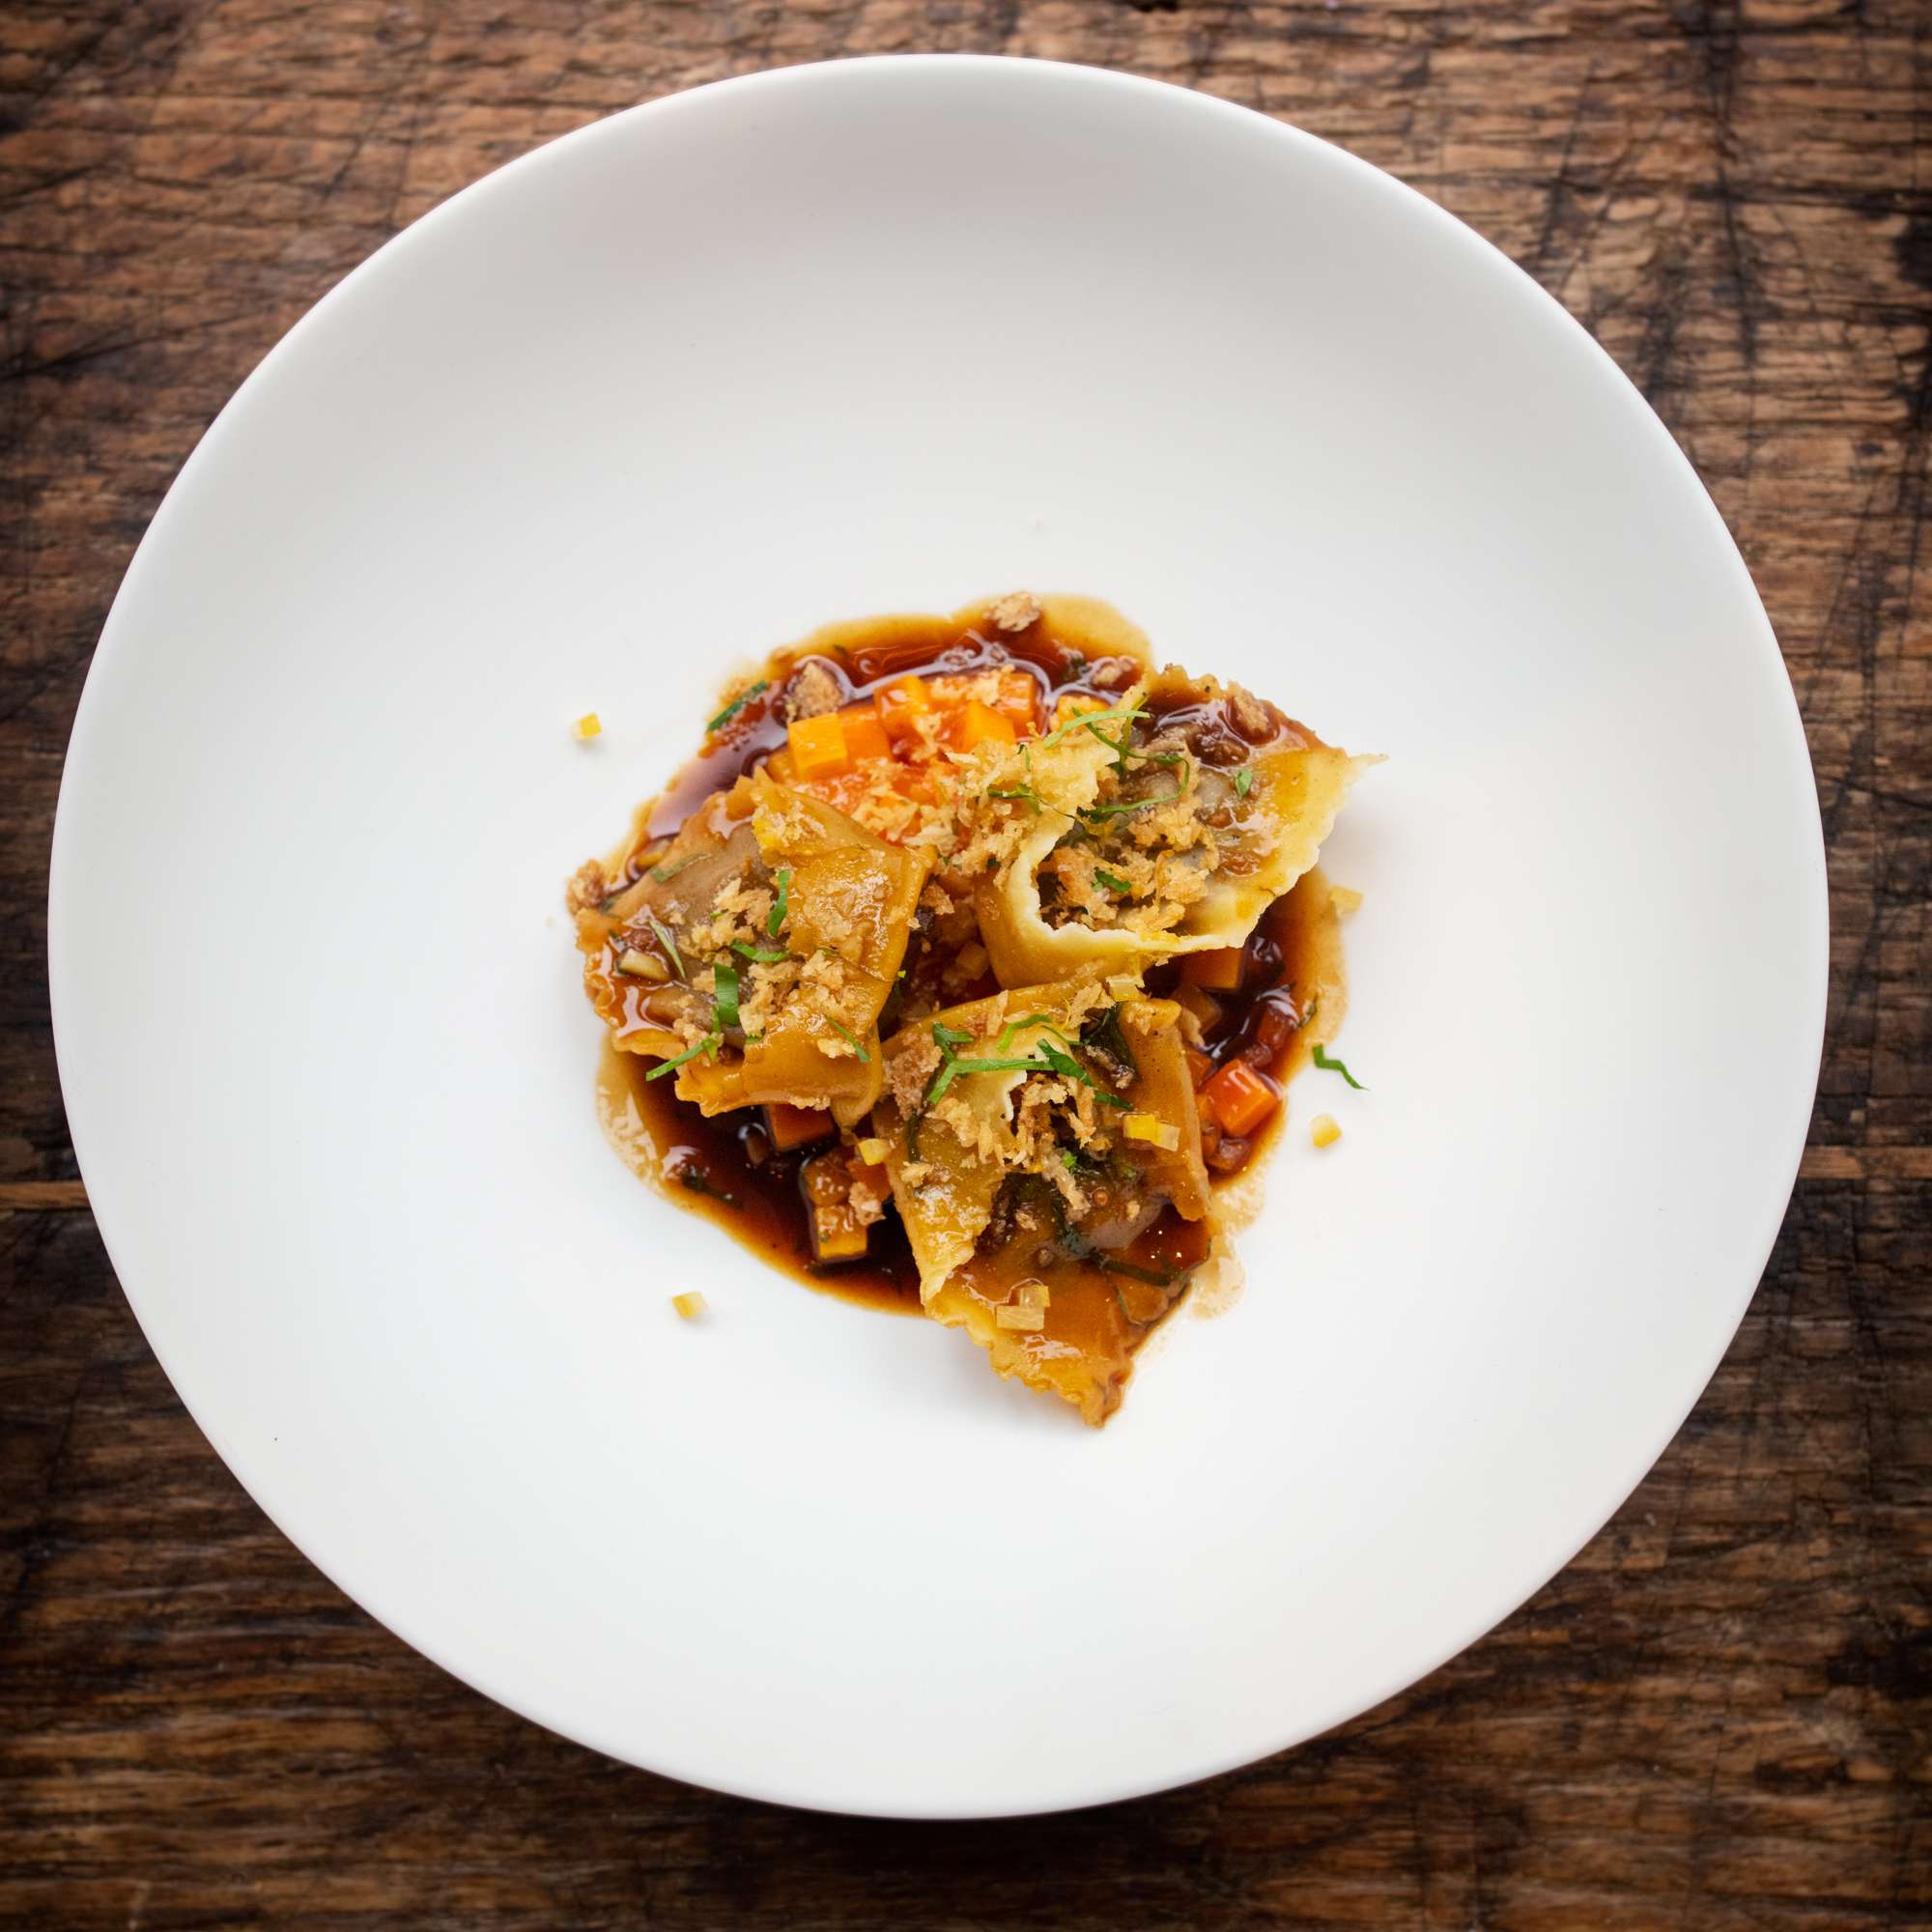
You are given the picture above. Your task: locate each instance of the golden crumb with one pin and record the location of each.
(586, 888)
(1324, 1131)
(589, 725)
(1015, 612)
(689, 1305)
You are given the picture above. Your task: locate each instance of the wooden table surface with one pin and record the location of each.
(1720, 1716)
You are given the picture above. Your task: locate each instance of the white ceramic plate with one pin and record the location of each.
(887, 335)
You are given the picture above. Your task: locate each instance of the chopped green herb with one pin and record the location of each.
(944, 1035)
(1089, 720)
(913, 1126)
(992, 863)
(1025, 792)
(1075, 666)
(1112, 883)
(1328, 1066)
(1138, 805)
(695, 1178)
(1071, 1160)
(851, 1040)
(710, 1043)
(1244, 779)
(1106, 1039)
(1032, 1020)
(665, 874)
(1062, 1062)
(665, 940)
(782, 906)
(764, 955)
(1153, 1278)
(724, 999)
(737, 704)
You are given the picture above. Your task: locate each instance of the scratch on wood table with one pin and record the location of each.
(1720, 1716)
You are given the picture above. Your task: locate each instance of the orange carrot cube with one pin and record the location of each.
(864, 736)
(1241, 1098)
(902, 706)
(795, 1126)
(979, 723)
(1018, 701)
(818, 745)
(1220, 969)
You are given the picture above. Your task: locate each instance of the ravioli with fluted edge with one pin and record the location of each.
(966, 965)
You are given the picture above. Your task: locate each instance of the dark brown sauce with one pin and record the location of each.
(707, 1166)
(724, 1168)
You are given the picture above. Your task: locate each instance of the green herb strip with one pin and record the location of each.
(665, 874)
(1112, 884)
(665, 940)
(851, 1040)
(1018, 1026)
(710, 1043)
(738, 703)
(1089, 720)
(1328, 1066)
(724, 999)
(762, 955)
(1139, 805)
(1244, 779)
(1153, 1278)
(782, 906)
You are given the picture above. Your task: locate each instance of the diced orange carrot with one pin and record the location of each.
(864, 736)
(1241, 1098)
(901, 705)
(795, 1126)
(1220, 969)
(782, 766)
(979, 723)
(818, 745)
(1018, 700)
(1199, 1066)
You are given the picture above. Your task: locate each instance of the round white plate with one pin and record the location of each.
(885, 335)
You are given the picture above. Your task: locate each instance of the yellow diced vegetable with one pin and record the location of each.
(589, 724)
(1148, 1127)
(689, 1305)
(1344, 898)
(837, 1235)
(1324, 1131)
(872, 1151)
(1011, 1315)
(1123, 987)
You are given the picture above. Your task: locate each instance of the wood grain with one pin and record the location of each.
(1718, 1717)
